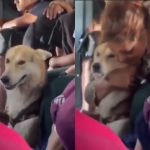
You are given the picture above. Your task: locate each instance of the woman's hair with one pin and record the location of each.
(123, 20)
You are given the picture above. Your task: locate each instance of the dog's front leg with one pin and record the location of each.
(90, 97)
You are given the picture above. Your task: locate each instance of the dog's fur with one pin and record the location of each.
(25, 68)
(116, 102)
(4, 118)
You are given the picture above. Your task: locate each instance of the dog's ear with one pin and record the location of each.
(44, 54)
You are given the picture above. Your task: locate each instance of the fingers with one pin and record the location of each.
(45, 11)
(53, 11)
(57, 11)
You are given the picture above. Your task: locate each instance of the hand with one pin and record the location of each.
(57, 8)
(53, 11)
(53, 62)
(96, 90)
(124, 78)
(70, 70)
(66, 5)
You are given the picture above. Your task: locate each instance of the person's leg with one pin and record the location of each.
(2, 90)
(142, 131)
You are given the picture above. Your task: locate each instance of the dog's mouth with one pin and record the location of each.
(98, 72)
(11, 87)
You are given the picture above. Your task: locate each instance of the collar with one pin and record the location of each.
(29, 112)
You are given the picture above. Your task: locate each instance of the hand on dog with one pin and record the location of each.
(123, 78)
(96, 91)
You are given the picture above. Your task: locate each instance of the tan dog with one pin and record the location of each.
(24, 79)
(115, 107)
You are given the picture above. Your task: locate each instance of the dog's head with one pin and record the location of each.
(24, 64)
(105, 60)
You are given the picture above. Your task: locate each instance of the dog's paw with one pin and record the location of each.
(90, 94)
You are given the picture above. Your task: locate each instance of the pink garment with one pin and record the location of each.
(92, 135)
(10, 140)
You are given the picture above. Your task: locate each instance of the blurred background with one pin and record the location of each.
(85, 13)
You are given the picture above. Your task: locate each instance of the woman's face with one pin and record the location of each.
(130, 52)
(24, 5)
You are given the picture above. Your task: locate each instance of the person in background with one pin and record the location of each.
(55, 27)
(30, 10)
(8, 11)
(63, 116)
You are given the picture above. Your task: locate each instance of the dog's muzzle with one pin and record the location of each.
(6, 82)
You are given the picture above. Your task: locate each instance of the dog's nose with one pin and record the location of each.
(96, 67)
(5, 79)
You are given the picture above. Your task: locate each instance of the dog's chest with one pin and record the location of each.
(16, 102)
(111, 101)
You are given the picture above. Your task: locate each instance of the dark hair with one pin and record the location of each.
(98, 7)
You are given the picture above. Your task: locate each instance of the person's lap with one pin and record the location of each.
(142, 131)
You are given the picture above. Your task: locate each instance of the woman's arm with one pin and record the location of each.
(54, 141)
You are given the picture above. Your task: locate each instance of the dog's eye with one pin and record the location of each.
(97, 54)
(7, 61)
(111, 56)
(21, 62)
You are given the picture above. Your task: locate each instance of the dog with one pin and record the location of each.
(114, 108)
(24, 79)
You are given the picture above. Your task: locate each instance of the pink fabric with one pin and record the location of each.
(91, 135)
(10, 140)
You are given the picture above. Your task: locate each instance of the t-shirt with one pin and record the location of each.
(92, 135)
(63, 116)
(39, 8)
(8, 10)
(10, 140)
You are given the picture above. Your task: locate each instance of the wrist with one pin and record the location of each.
(53, 62)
